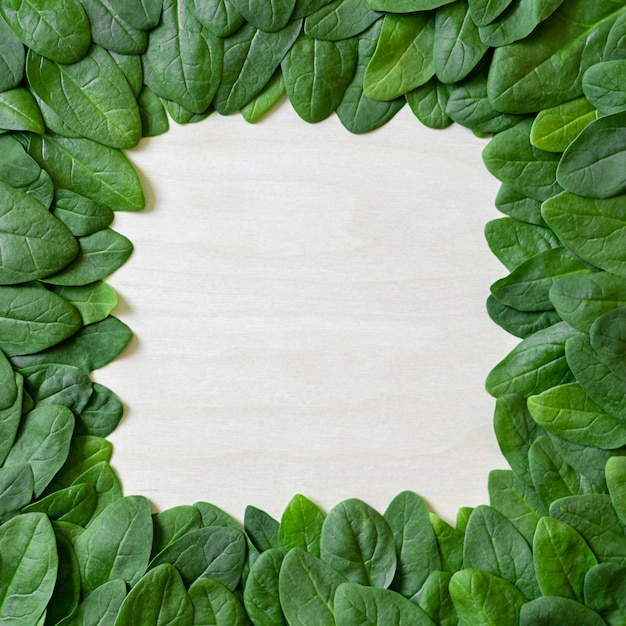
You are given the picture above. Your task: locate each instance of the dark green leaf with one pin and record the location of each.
(340, 19)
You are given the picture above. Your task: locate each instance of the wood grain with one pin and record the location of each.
(309, 316)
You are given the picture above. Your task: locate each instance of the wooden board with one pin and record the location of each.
(309, 316)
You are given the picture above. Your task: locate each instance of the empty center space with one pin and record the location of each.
(309, 316)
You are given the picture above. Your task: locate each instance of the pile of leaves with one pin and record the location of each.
(82, 80)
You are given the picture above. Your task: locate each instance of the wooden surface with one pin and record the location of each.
(309, 316)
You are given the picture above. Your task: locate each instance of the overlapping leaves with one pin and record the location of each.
(80, 80)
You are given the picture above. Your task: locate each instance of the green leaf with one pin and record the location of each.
(357, 112)
(416, 545)
(514, 242)
(215, 605)
(265, 100)
(482, 599)
(581, 298)
(512, 159)
(261, 528)
(91, 348)
(429, 102)
(594, 517)
(153, 116)
(142, 14)
(517, 21)
(493, 545)
(251, 57)
(90, 169)
(17, 168)
(534, 365)
(605, 86)
(183, 62)
(116, 544)
(457, 46)
(16, 489)
(616, 483)
(94, 302)
(171, 524)
(519, 206)
(261, 591)
(483, 12)
(219, 16)
(358, 543)
(8, 384)
(102, 413)
(517, 500)
(213, 552)
(158, 599)
(450, 542)
(100, 254)
(34, 243)
(357, 605)
(12, 56)
(91, 96)
(555, 128)
(267, 16)
(307, 588)
(59, 31)
(520, 323)
(58, 384)
(317, 74)
(28, 568)
(75, 504)
(436, 601)
(19, 111)
(403, 59)
(10, 418)
(111, 31)
(100, 607)
(66, 594)
(301, 526)
(562, 611)
(567, 411)
(605, 589)
(43, 441)
(593, 164)
(340, 19)
(546, 70)
(562, 559)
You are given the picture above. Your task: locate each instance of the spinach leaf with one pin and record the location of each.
(91, 96)
(605, 591)
(33, 319)
(111, 31)
(59, 31)
(357, 112)
(483, 12)
(301, 526)
(450, 543)
(102, 413)
(457, 46)
(267, 16)
(340, 19)
(142, 14)
(555, 610)
(534, 365)
(429, 102)
(307, 587)
(512, 159)
(94, 301)
(90, 169)
(265, 100)
(403, 59)
(261, 592)
(171, 524)
(605, 86)
(19, 111)
(481, 598)
(356, 604)
(158, 599)
(153, 116)
(10, 418)
(211, 552)
(100, 607)
(215, 605)
(358, 543)
(261, 528)
(28, 568)
(183, 62)
(127, 526)
(317, 74)
(520, 323)
(43, 441)
(16, 167)
(436, 601)
(555, 128)
(75, 504)
(615, 474)
(17, 486)
(8, 384)
(66, 594)
(567, 411)
(581, 298)
(562, 558)
(417, 550)
(493, 545)
(545, 71)
(219, 16)
(12, 55)
(251, 57)
(519, 206)
(593, 164)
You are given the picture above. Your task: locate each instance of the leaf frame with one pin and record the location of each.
(603, 342)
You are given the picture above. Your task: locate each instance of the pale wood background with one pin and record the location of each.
(309, 316)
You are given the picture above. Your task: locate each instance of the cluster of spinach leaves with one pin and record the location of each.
(82, 80)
